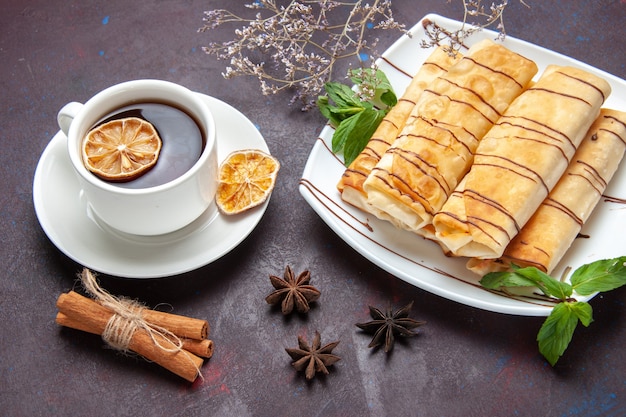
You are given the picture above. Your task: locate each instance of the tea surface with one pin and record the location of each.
(183, 141)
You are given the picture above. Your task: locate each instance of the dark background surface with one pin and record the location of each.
(465, 362)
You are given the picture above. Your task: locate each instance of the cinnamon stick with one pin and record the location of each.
(73, 323)
(181, 326)
(94, 318)
(202, 348)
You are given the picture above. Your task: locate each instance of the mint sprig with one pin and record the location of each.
(557, 330)
(355, 119)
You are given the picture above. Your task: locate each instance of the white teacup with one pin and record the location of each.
(154, 210)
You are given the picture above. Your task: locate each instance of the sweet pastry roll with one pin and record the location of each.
(519, 161)
(418, 172)
(550, 232)
(351, 183)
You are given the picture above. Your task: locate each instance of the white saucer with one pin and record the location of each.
(71, 226)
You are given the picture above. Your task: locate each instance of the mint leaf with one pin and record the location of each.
(583, 311)
(389, 98)
(549, 285)
(385, 90)
(342, 132)
(557, 331)
(377, 80)
(527, 277)
(604, 275)
(355, 120)
(365, 125)
(324, 106)
(342, 95)
(353, 133)
(496, 280)
(346, 103)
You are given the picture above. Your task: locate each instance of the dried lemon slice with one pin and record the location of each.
(246, 179)
(122, 149)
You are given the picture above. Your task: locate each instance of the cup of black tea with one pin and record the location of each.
(180, 182)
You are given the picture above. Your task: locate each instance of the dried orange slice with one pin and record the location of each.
(122, 149)
(246, 179)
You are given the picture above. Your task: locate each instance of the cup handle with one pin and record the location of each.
(67, 114)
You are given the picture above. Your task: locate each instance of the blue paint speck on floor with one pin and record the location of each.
(594, 403)
(105, 20)
(503, 361)
(101, 53)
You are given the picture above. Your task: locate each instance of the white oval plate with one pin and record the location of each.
(421, 262)
(68, 222)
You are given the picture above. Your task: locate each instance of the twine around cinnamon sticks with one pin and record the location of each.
(175, 342)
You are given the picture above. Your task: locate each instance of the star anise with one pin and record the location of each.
(314, 358)
(386, 326)
(292, 291)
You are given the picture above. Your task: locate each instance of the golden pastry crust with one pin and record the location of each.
(519, 161)
(549, 233)
(418, 172)
(351, 183)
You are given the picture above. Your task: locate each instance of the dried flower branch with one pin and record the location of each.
(475, 18)
(301, 41)
(296, 47)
